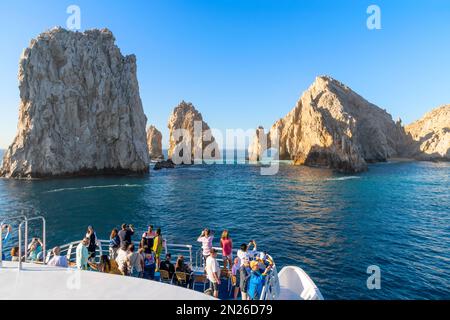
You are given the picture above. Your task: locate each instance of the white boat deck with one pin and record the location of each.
(36, 281)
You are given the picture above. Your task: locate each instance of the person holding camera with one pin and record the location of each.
(245, 253)
(35, 250)
(206, 238)
(125, 234)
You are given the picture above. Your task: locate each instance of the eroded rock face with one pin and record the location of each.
(80, 110)
(194, 137)
(334, 127)
(258, 146)
(154, 141)
(430, 136)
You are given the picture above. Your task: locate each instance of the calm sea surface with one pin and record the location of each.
(395, 216)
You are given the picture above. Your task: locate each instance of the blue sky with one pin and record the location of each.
(245, 63)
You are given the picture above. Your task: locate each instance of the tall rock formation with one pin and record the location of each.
(258, 146)
(334, 127)
(80, 109)
(154, 142)
(188, 132)
(430, 136)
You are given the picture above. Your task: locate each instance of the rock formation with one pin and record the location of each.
(80, 110)
(154, 142)
(430, 136)
(258, 146)
(165, 164)
(190, 137)
(334, 127)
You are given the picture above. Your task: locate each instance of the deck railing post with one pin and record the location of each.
(44, 239)
(20, 246)
(26, 239)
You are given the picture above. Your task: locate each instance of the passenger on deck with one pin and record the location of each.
(206, 238)
(227, 249)
(136, 266)
(82, 254)
(264, 260)
(157, 247)
(149, 236)
(181, 266)
(15, 254)
(114, 244)
(8, 229)
(90, 233)
(256, 281)
(212, 269)
(245, 253)
(167, 265)
(235, 273)
(244, 275)
(35, 250)
(57, 260)
(125, 234)
(144, 245)
(122, 259)
(149, 264)
(107, 265)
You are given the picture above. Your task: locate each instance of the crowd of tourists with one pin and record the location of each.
(246, 273)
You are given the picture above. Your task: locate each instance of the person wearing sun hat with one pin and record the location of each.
(256, 281)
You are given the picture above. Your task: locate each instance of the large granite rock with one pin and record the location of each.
(200, 144)
(154, 141)
(80, 109)
(430, 136)
(334, 127)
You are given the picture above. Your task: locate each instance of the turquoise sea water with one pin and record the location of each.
(396, 216)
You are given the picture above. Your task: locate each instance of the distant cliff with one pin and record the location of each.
(334, 127)
(154, 142)
(200, 145)
(80, 111)
(430, 136)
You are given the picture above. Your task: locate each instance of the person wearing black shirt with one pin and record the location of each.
(125, 234)
(167, 265)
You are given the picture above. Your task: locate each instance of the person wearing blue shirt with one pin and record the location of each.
(256, 281)
(7, 237)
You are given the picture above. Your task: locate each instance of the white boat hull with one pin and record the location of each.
(295, 284)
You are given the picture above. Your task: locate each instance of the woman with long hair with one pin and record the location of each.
(114, 244)
(227, 249)
(92, 246)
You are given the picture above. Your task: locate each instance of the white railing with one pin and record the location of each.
(69, 250)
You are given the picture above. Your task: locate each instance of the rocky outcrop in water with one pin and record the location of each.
(154, 142)
(334, 127)
(80, 109)
(258, 145)
(189, 133)
(165, 164)
(430, 136)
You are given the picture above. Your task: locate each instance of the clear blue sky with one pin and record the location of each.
(244, 63)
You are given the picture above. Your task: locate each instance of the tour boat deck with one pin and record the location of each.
(38, 281)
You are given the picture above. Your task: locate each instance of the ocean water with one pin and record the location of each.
(395, 216)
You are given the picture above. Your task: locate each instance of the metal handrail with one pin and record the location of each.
(26, 238)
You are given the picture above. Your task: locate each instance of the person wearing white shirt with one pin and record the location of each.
(212, 269)
(245, 253)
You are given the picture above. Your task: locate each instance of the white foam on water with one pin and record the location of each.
(343, 178)
(98, 187)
